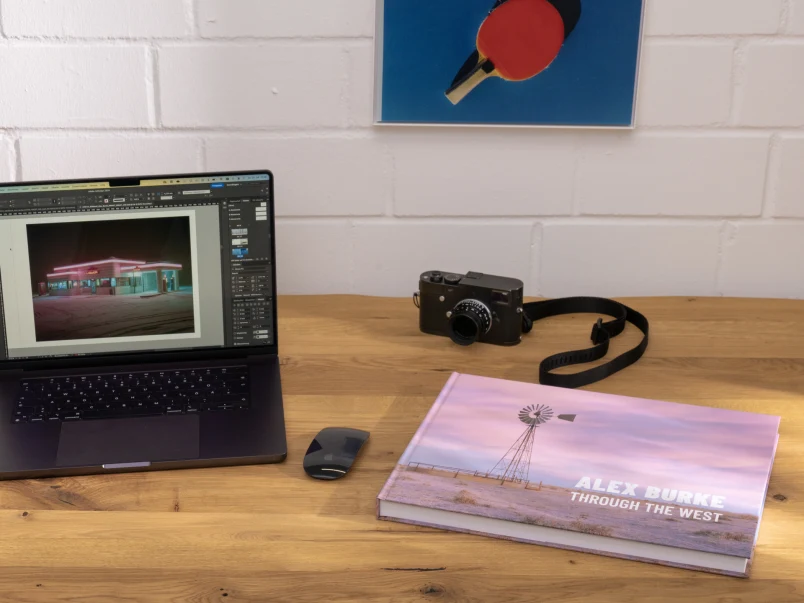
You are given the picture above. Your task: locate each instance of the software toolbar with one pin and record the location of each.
(250, 270)
(105, 198)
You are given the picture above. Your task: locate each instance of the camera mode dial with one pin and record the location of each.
(469, 320)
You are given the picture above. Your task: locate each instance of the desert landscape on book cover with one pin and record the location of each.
(650, 471)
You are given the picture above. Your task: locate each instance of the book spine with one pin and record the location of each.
(428, 419)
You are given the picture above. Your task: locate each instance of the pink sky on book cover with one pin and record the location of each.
(645, 442)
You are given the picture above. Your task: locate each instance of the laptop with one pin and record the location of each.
(138, 326)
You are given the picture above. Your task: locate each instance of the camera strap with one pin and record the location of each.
(602, 333)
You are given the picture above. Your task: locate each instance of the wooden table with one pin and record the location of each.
(269, 533)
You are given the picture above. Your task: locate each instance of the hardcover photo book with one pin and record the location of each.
(643, 480)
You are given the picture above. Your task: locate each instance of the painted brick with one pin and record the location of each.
(671, 93)
(313, 257)
(361, 85)
(536, 263)
(73, 86)
(94, 18)
(311, 18)
(702, 17)
(51, 158)
(483, 173)
(772, 91)
(390, 256)
(7, 160)
(795, 23)
(314, 176)
(764, 260)
(787, 180)
(672, 174)
(240, 86)
(610, 259)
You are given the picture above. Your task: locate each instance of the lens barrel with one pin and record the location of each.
(469, 320)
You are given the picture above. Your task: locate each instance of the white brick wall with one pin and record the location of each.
(795, 23)
(678, 258)
(481, 174)
(285, 18)
(310, 166)
(703, 17)
(672, 94)
(766, 255)
(772, 93)
(7, 166)
(672, 174)
(704, 197)
(229, 86)
(95, 18)
(73, 86)
(787, 194)
(324, 264)
(493, 247)
(53, 157)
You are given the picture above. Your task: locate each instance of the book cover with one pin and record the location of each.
(634, 470)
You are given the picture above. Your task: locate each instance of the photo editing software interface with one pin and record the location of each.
(164, 264)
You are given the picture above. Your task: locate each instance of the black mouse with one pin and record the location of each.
(333, 452)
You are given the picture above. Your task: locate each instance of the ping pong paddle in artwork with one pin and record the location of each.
(517, 40)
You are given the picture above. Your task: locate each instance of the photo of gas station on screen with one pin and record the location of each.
(111, 278)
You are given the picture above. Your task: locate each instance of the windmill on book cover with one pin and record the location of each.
(515, 464)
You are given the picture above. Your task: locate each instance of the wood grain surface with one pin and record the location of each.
(270, 533)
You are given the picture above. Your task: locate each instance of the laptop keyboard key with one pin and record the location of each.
(118, 395)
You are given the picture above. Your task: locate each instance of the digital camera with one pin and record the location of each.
(471, 307)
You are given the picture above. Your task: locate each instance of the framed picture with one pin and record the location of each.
(538, 63)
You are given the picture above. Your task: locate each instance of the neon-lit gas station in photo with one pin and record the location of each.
(112, 276)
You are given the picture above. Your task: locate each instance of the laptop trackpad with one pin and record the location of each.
(135, 440)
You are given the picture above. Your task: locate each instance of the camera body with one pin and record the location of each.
(471, 307)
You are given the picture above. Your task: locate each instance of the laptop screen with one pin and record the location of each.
(138, 265)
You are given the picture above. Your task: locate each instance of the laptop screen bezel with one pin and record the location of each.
(158, 356)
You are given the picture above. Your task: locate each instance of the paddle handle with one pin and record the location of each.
(484, 69)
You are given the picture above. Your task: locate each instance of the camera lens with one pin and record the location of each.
(470, 320)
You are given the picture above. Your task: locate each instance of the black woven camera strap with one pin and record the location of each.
(602, 333)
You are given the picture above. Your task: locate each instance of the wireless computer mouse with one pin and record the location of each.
(333, 451)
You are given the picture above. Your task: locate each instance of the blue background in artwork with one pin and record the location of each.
(591, 82)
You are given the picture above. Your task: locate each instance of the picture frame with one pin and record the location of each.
(560, 63)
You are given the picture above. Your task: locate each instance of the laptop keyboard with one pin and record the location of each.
(132, 394)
